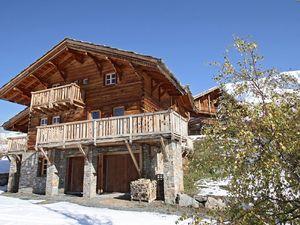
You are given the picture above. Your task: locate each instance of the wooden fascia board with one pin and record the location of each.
(15, 119)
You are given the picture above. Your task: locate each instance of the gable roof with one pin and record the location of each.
(72, 44)
(201, 94)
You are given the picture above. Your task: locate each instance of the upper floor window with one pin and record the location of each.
(95, 114)
(119, 111)
(110, 78)
(44, 121)
(55, 119)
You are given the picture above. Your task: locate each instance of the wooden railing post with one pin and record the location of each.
(95, 132)
(51, 96)
(64, 134)
(130, 129)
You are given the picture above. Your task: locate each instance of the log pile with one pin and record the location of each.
(143, 190)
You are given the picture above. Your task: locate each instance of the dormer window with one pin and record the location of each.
(110, 79)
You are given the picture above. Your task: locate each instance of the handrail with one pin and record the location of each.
(130, 126)
(18, 143)
(48, 97)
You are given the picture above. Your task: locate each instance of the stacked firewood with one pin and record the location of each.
(143, 190)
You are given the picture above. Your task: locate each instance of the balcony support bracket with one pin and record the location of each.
(164, 149)
(133, 158)
(82, 151)
(44, 153)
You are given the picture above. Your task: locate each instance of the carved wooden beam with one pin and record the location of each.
(116, 67)
(164, 149)
(135, 71)
(154, 85)
(161, 92)
(44, 153)
(77, 56)
(61, 72)
(39, 80)
(97, 62)
(22, 93)
(82, 151)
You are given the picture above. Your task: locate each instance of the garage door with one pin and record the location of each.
(116, 171)
(75, 175)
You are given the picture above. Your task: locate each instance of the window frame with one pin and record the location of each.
(43, 119)
(93, 111)
(110, 79)
(55, 117)
(119, 107)
(42, 166)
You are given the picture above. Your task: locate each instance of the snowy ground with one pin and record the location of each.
(14, 211)
(212, 188)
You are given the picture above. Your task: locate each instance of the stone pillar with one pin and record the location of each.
(52, 180)
(12, 173)
(89, 176)
(173, 172)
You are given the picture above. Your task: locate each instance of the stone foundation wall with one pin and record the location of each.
(28, 171)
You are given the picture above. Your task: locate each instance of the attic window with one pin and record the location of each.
(85, 81)
(110, 79)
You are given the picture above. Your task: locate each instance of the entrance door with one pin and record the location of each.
(116, 171)
(75, 174)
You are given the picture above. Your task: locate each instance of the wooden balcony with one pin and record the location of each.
(57, 99)
(16, 144)
(113, 129)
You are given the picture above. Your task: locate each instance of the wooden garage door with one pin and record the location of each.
(75, 174)
(117, 172)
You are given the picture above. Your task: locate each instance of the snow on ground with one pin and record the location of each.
(3, 189)
(14, 211)
(212, 188)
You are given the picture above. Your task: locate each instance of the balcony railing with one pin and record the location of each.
(16, 144)
(58, 97)
(132, 127)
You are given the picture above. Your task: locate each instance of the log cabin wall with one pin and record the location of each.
(132, 92)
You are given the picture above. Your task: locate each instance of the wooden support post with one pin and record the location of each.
(82, 151)
(45, 154)
(133, 158)
(163, 146)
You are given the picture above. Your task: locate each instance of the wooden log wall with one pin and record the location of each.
(133, 91)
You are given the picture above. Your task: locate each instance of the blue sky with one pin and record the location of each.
(187, 35)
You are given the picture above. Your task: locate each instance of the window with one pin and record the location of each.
(119, 111)
(42, 166)
(76, 81)
(110, 79)
(56, 85)
(44, 121)
(95, 114)
(55, 119)
(85, 81)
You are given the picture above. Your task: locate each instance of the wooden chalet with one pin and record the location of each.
(96, 119)
(207, 103)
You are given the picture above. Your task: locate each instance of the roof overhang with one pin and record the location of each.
(11, 88)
